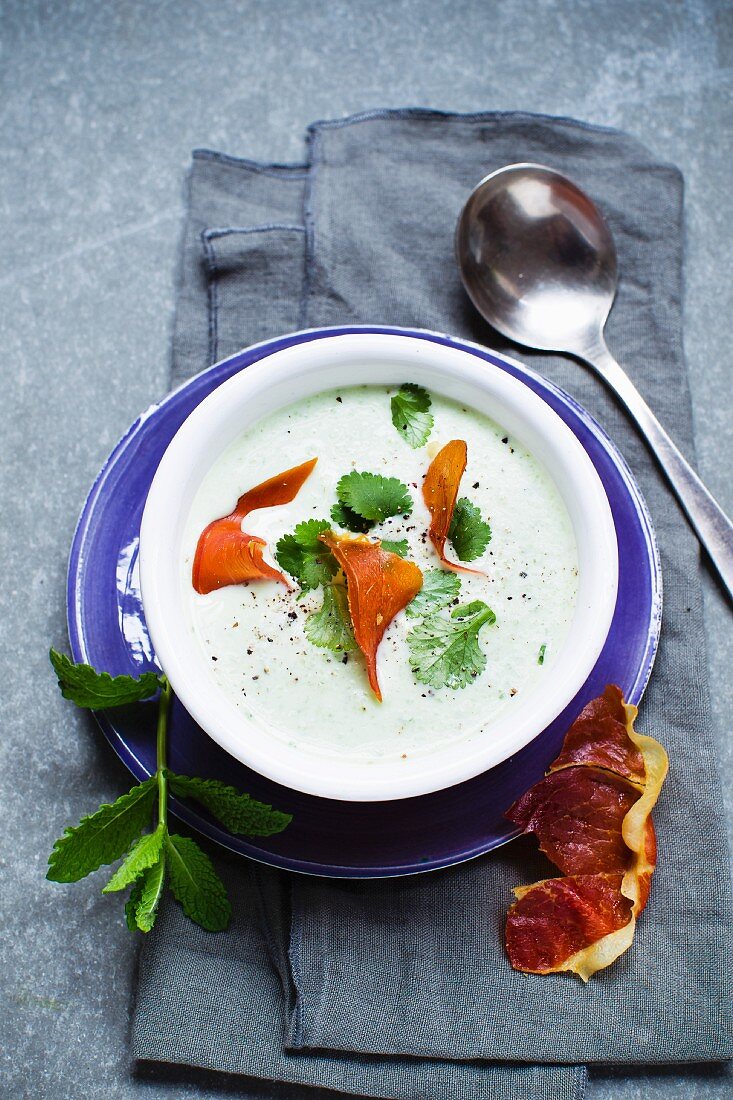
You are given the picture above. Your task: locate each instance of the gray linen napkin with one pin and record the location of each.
(401, 988)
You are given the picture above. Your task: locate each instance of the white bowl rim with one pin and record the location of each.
(327, 776)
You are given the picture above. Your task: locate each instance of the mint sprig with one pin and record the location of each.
(411, 414)
(237, 812)
(141, 908)
(97, 690)
(104, 836)
(150, 860)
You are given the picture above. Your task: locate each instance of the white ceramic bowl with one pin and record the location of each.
(285, 377)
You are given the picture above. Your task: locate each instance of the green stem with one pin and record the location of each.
(164, 706)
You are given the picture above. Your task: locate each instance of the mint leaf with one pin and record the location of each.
(132, 903)
(142, 905)
(411, 414)
(196, 884)
(343, 516)
(468, 532)
(373, 496)
(445, 652)
(104, 836)
(439, 588)
(330, 627)
(97, 690)
(237, 812)
(144, 853)
(304, 557)
(401, 547)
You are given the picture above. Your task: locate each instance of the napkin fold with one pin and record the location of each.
(401, 988)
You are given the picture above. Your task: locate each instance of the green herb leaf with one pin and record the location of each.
(373, 496)
(469, 533)
(97, 690)
(439, 588)
(142, 905)
(541, 654)
(104, 836)
(133, 900)
(411, 414)
(304, 557)
(401, 547)
(330, 627)
(144, 854)
(445, 652)
(343, 516)
(196, 884)
(237, 812)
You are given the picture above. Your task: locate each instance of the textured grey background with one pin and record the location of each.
(100, 105)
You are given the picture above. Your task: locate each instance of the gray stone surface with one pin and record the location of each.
(100, 105)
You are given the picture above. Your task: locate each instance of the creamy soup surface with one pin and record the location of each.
(253, 636)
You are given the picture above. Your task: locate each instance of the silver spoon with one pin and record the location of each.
(539, 263)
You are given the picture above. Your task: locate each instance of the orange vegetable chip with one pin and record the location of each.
(225, 554)
(379, 585)
(440, 491)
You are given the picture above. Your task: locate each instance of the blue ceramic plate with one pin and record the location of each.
(347, 839)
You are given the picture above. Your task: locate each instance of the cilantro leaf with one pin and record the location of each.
(401, 547)
(104, 836)
(469, 533)
(541, 654)
(304, 557)
(343, 516)
(330, 627)
(237, 812)
(142, 905)
(196, 884)
(96, 690)
(373, 496)
(411, 414)
(445, 652)
(144, 853)
(439, 588)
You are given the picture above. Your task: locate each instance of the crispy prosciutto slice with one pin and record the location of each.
(440, 491)
(592, 816)
(576, 815)
(225, 554)
(379, 585)
(569, 924)
(600, 736)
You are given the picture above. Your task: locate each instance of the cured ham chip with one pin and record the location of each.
(576, 815)
(559, 921)
(440, 491)
(592, 817)
(225, 554)
(379, 585)
(599, 735)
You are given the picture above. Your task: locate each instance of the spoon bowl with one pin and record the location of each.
(537, 258)
(539, 263)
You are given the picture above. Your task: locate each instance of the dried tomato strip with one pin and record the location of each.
(440, 492)
(379, 585)
(225, 554)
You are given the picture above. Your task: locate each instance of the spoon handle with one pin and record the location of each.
(714, 529)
